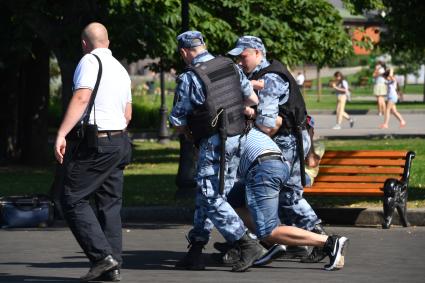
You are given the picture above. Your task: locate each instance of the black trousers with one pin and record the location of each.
(97, 174)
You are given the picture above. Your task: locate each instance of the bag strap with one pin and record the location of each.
(93, 94)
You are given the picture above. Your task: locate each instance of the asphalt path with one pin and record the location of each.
(151, 250)
(366, 126)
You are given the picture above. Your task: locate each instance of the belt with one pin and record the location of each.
(266, 156)
(104, 134)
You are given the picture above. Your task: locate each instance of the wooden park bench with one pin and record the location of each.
(366, 173)
(308, 84)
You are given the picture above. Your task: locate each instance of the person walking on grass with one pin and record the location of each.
(342, 93)
(391, 100)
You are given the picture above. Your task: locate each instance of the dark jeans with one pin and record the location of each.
(97, 173)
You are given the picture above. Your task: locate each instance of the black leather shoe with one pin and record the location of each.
(113, 275)
(99, 268)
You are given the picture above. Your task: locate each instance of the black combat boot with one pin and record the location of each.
(318, 229)
(223, 247)
(232, 256)
(317, 254)
(229, 253)
(193, 260)
(296, 252)
(250, 251)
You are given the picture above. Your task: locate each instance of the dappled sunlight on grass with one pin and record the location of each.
(150, 178)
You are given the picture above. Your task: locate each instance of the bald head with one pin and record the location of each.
(94, 36)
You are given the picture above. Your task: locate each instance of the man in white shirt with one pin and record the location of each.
(95, 163)
(300, 79)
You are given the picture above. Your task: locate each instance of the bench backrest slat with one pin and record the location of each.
(365, 153)
(362, 161)
(361, 170)
(347, 193)
(348, 186)
(353, 179)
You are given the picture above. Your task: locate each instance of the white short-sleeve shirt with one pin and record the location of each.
(114, 89)
(345, 86)
(300, 79)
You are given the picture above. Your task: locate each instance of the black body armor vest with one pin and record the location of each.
(293, 112)
(220, 78)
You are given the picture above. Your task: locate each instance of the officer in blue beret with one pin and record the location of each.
(274, 91)
(211, 208)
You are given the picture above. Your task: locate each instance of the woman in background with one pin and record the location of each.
(391, 100)
(379, 87)
(342, 93)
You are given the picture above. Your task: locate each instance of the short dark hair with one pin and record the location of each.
(338, 73)
(386, 73)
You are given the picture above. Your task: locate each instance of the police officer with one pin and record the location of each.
(95, 168)
(264, 172)
(190, 101)
(274, 91)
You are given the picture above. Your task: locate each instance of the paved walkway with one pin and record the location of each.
(150, 252)
(367, 126)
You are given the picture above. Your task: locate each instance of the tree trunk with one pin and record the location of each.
(185, 179)
(9, 82)
(319, 84)
(424, 89)
(163, 136)
(34, 103)
(67, 67)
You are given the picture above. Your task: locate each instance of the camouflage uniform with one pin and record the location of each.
(211, 208)
(294, 209)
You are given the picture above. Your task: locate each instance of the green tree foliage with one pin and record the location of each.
(294, 31)
(360, 6)
(405, 36)
(405, 21)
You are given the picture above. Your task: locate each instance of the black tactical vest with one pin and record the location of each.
(293, 112)
(222, 87)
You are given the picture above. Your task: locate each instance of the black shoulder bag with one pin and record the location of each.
(85, 130)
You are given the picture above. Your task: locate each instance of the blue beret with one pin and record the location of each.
(190, 39)
(245, 42)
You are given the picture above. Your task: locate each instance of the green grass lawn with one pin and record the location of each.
(150, 178)
(147, 106)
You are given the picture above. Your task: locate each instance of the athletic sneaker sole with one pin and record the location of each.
(276, 251)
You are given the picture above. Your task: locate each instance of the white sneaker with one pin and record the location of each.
(337, 127)
(335, 247)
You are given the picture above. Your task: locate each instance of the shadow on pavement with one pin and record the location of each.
(151, 260)
(5, 277)
(66, 264)
(162, 260)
